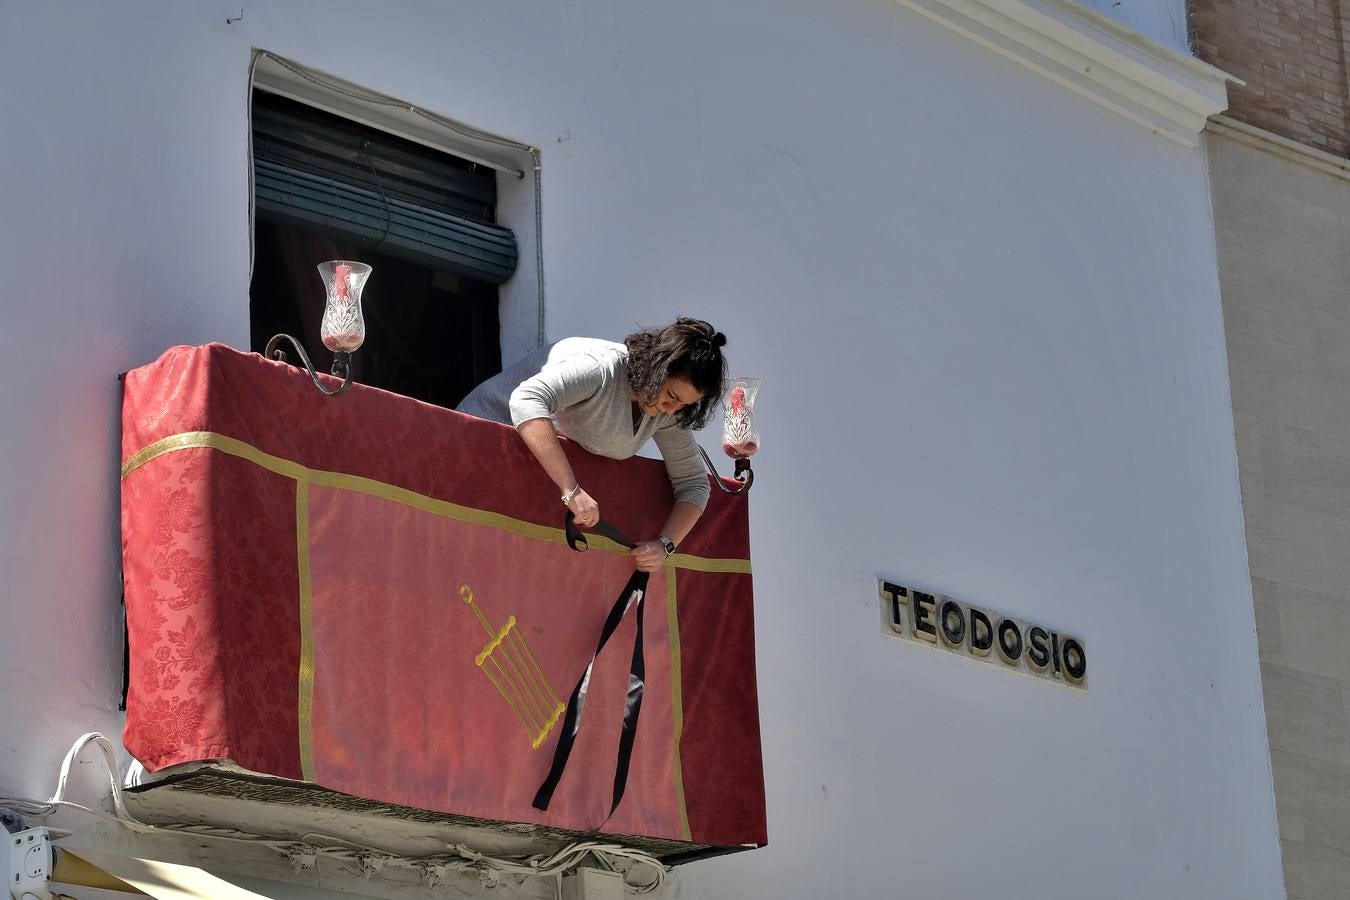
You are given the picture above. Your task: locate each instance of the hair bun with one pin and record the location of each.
(719, 339)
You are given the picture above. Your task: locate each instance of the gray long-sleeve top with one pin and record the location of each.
(582, 384)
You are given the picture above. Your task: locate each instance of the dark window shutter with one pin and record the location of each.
(322, 171)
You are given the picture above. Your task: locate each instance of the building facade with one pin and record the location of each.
(968, 247)
(1281, 183)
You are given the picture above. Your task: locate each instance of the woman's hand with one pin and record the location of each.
(648, 556)
(584, 508)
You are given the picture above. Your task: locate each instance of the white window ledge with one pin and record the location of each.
(1168, 92)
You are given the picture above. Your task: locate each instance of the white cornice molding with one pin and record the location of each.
(1168, 92)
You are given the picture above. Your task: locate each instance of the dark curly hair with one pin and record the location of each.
(687, 348)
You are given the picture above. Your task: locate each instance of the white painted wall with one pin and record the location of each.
(987, 316)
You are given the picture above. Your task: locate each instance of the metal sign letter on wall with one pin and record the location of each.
(981, 634)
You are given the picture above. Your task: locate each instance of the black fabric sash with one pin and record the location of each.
(631, 596)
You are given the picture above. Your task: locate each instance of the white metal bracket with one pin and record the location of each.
(592, 884)
(29, 864)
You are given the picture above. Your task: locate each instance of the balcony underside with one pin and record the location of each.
(225, 796)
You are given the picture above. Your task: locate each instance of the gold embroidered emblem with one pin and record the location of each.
(509, 664)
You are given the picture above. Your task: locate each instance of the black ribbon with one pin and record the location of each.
(632, 595)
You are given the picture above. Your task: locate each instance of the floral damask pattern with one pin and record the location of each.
(202, 532)
(185, 653)
(171, 722)
(178, 513)
(165, 561)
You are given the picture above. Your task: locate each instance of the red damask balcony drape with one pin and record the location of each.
(375, 595)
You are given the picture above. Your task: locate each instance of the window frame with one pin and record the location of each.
(522, 299)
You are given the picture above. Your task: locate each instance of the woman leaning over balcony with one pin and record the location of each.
(610, 398)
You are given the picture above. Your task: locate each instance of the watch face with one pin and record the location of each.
(668, 544)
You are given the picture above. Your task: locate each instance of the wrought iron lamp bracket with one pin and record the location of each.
(342, 363)
(743, 473)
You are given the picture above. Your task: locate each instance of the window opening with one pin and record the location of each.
(329, 188)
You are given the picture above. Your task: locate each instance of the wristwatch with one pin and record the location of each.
(667, 543)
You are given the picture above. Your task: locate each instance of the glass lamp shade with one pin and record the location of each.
(343, 327)
(740, 439)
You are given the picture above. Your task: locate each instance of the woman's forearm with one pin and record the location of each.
(683, 516)
(541, 438)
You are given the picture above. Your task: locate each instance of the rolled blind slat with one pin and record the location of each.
(319, 171)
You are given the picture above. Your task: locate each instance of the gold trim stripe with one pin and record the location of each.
(676, 697)
(181, 441)
(232, 446)
(707, 563)
(306, 688)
